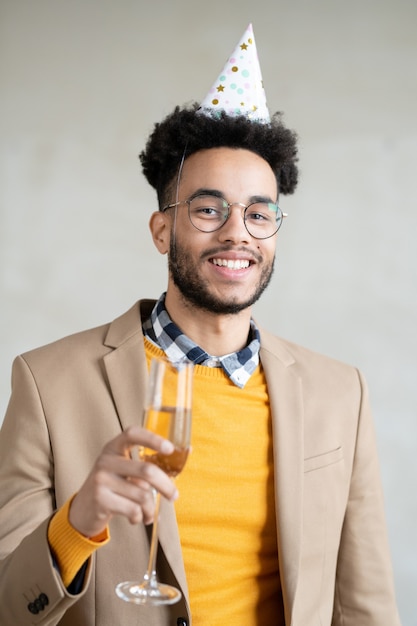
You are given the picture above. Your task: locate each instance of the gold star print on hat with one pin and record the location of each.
(239, 88)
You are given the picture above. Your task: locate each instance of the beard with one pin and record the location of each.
(197, 291)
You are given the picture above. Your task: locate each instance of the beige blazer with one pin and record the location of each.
(71, 397)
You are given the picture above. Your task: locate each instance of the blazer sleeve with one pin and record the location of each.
(364, 591)
(31, 590)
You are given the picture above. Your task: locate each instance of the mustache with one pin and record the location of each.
(217, 252)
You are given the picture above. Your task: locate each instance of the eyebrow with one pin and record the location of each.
(203, 191)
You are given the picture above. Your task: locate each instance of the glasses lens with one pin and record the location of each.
(263, 219)
(208, 213)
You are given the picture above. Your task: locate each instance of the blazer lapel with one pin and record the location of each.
(285, 393)
(127, 374)
(126, 371)
(126, 364)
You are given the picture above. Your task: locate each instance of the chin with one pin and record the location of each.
(201, 299)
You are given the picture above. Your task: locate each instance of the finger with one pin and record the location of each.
(134, 502)
(138, 436)
(112, 468)
(128, 497)
(129, 501)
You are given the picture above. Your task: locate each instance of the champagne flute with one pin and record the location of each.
(167, 413)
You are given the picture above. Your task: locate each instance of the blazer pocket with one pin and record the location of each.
(323, 460)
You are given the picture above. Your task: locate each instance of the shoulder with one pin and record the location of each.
(92, 343)
(334, 394)
(307, 364)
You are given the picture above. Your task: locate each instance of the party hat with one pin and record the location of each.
(239, 90)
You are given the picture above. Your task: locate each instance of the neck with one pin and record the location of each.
(216, 334)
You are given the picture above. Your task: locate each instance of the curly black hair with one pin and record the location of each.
(186, 130)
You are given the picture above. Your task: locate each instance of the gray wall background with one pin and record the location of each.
(82, 84)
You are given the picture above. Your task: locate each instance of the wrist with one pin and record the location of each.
(70, 547)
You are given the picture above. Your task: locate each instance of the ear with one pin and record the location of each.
(159, 225)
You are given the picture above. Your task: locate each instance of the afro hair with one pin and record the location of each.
(186, 130)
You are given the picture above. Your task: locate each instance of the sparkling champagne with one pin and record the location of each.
(171, 423)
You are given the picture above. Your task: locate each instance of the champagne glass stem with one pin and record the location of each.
(150, 575)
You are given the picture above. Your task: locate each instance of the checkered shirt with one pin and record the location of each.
(161, 330)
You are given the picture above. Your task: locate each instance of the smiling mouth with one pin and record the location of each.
(232, 264)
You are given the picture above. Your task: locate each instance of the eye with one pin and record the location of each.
(256, 217)
(261, 212)
(206, 213)
(207, 208)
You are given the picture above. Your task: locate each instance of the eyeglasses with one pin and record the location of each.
(209, 213)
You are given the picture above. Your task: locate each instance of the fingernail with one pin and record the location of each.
(167, 447)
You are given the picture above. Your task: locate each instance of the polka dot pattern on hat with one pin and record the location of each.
(239, 90)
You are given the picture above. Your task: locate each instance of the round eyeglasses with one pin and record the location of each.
(209, 213)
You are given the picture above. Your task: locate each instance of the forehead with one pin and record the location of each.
(235, 172)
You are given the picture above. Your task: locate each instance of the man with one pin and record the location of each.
(280, 516)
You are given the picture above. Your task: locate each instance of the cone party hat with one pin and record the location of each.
(239, 90)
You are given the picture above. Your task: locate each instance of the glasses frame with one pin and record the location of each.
(228, 207)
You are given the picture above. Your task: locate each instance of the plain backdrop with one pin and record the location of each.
(83, 83)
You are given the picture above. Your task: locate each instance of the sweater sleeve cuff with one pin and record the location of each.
(69, 547)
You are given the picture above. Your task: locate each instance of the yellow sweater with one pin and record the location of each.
(226, 511)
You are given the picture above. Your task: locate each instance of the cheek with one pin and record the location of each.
(191, 241)
(267, 248)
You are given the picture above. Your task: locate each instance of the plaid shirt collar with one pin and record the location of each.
(162, 331)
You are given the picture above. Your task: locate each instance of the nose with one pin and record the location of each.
(234, 229)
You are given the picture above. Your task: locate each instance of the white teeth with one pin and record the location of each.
(237, 264)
